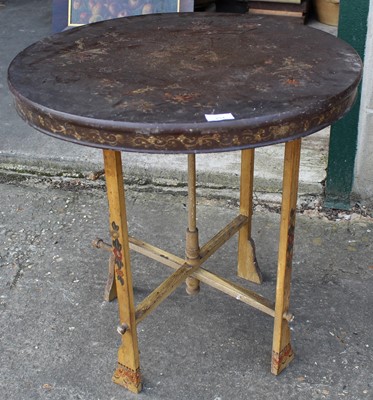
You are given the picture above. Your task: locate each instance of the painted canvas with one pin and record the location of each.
(88, 11)
(69, 13)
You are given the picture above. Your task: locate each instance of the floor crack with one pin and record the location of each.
(17, 276)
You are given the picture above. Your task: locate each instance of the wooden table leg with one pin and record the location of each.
(282, 352)
(247, 264)
(127, 373)
(192, 250)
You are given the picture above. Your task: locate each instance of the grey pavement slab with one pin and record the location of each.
(23, 22)
(58, 337)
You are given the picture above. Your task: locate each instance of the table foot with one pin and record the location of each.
(281, 360)
(127, 377)
(248, 267)
(247, 264)
(282, 352)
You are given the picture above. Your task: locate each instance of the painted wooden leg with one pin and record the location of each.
(127, 373)
(247, 264)
(282, 352)
(192, 243)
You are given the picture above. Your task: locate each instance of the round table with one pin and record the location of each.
(189, 83)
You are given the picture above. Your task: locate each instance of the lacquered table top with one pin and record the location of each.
(149, 83)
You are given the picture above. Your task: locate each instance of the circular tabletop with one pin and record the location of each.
(153, 83)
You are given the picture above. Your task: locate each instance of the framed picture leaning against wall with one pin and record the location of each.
(69, 13)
